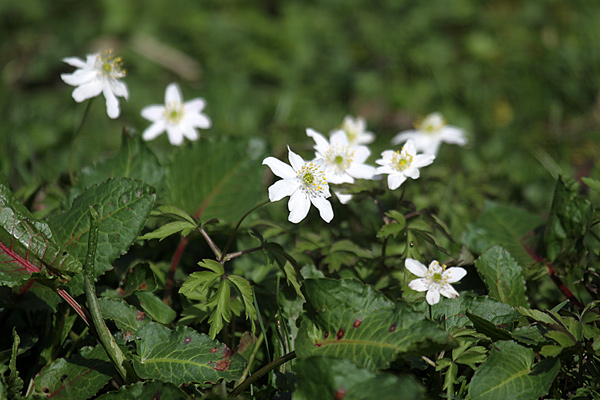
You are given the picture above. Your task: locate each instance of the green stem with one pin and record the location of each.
(251, 359)
(75, 137)
(261, 372)
(237, 226)
(111, 347)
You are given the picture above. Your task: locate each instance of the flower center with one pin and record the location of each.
(401, 161)
(431, 124)
(109, 65)
(437, 277)
(339, 157)
(312, 178)
(173, 112)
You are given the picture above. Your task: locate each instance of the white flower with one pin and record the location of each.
(435, 280)
(343, 163)
(99, 73)
(304, 182)
(355, 131)
(430, 133)
(179, 119)
(402, 164)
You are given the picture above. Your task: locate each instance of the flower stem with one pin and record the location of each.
(230, 240)
(75, 137)
(261, 372)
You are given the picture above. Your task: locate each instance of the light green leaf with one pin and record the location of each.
(390, 230)
(154, 306)
(594, 184)
(214, 266)
(184, 356)
(174, 213)
(169, 229)
(509, 373)
(347, 319)
(126, 317)
(561, 338)
(502, 276)
(198, 284)
(246, 291)
(222, 309)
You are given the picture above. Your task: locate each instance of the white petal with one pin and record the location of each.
(448, 291)
(455, 274)
(321, 143)
(324, 207)
(173, 94)
(339, 137)
(395, 180)
(188, 131)
(112, 104)
(404, 136)
(79, 77)
(119, 88)
(298, 205)
(198, 120)
(337, 178)
(361, 153)
(175, 135)
(281, 189)
(296, 161)
(433, 296)
(452, 134)
(279, 168)
(361, 171)
(87, 91)
(409, 147)
(422, 160)
(75, 61)
(415, 267)
(412, 173)
(419, 285)
(195, 105)
(154, 112)
(343, 197)
(154, 130)
(365, 138)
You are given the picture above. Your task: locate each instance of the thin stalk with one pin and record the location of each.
(231, 256)
(75, 137)
(211, 244)
(261, 372)
(237, 226)
(251, 359)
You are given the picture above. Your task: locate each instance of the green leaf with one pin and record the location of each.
(509, 373)
(79, 377)
(154, 306)
(198, 284)
(134, 160)
(146, 390)
(246, 291)
(140, 277)
(222, 309)
(484, 326)
(215, 180)
(173, 213)
(347, 319)
(212, 265)
(502, 276)
(330, 378)
(170, 229)
(561, 338)
(14, 381)
(537, 315)
(502, 225)
(126, 317)
(27, 245)
(594, 184)
(123, 204)
(390, 230)
(184, 356)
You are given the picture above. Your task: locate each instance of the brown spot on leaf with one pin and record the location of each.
(127, 335)
(140, 316)
(187, 340)
(143, 285)
(222, 365)
(214, 350)
(318, 344)
(340, 334)
(393, 327)
(227, 352)
(340, 394)
(326, 335)
(356, 323)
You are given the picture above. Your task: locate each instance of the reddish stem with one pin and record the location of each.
(174, 263)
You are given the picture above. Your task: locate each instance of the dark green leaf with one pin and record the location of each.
(169, 229)
(127, 318)
(184, 356)
(509, 373)
(140, 277)
(481, 325)
(594, 184)
(222, 309)
(502, 276)
(155, 390)
(390, 230)
(154, 306)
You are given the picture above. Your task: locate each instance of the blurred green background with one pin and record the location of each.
(522, 77)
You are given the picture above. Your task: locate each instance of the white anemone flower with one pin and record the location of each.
(179, 119)
(343, 162)
(304, 182)
(430, 132)
(435, 280)
(403, 164)
(356, 132)
(99, 73)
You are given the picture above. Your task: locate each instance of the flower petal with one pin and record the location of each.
(409, 147)
(75, 62)
(412, 173)
(361, 171)
(87, 91)
(404, 136)
(188, 131)
(415, 267)
(173, 94)
(324, 207)
(154, 112)
(79, 77)
(175, 135)
(339, 137)
(448, 291)
(344, 198)
(296, 161)
(422, 160)
(119, 88)
(419, 285)
(281, 189)
(298, 205)
(433, 296)
(454, 274)
(112, 104)
(151, 132)
(395, 180)
(195, 105)
(279, 168)
(321, 143)
(198, 120)
(454, 135)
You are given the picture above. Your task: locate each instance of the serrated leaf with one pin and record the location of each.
(198, 284)
(78, 377)
(594, 184)
(126, 317)
(222, 309)
(502, 276)
(174, 213)
(154, 306)
(146, 390)
(27, 245)
(347, 319)
(140, 277)
(212, 265)
(246, 291)
(330, 378)
(537, 315)
(389, 230)
(509, 373)
(561, 338)
(183, 227)
(123, 204)
(184, 356)
(502, 225)
(215, 180)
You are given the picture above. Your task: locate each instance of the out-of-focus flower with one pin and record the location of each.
(355, 129)
(99, 73)
(179, 119)
(435, 280)
(430, 132)
(304, 182)
(403, 164)
(343, 163)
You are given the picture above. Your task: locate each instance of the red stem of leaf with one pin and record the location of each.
(174, 263)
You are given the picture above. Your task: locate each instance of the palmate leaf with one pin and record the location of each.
(184, 356)
(27, 245)
(347, 319)
(502, 225)
(123, 204)
(509, 373)
(330, 378)
(215, 180)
